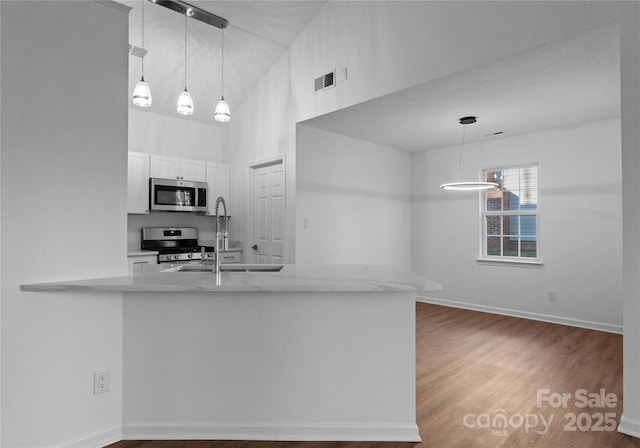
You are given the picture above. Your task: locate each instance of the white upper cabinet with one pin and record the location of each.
(143, 166)
(138, 183)
(195, 170)
(165, 167)
(168, 167)
(219, 180)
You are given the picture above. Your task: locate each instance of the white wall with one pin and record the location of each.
(172, 136)
(355, 197)
(64, 156)
(580, 226)
(630, 136)
(386, 46)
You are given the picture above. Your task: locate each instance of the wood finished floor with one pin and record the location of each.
(478, 363)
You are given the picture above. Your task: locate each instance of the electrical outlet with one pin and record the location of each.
(551, 295)
(101, 382)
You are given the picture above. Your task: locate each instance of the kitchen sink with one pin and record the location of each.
(238, 267)
(231, 267)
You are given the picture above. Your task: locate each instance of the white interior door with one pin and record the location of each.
(268, 213)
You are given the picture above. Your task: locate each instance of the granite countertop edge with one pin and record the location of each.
(292, 278)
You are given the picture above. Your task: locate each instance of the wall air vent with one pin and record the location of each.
(325, 81)
(137, 51)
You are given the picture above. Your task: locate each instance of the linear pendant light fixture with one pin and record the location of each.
(142, 92)
(185, 103)
(466, 186)
(222, 112)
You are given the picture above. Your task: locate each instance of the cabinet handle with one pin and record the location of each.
(254, 247)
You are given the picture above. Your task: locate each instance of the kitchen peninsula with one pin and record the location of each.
(306, 353)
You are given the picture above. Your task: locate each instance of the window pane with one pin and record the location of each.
(510, 226)
(494, 200)
(528, 226)
(493, 246)
(510, 246)
(493, 225)
(509, 232)
(528, 249)
(494, 176)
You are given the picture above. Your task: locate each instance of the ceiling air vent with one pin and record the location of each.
(325, 81)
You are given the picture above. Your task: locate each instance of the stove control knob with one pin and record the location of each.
(190, 256)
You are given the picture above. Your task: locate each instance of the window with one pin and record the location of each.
(510, 215)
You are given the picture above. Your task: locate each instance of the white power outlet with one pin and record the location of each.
(101, 382)
(551, 295)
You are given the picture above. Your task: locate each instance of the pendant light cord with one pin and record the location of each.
(484, 153)
(222, 90)
(185, 52)
(464, 134)
(143, 50)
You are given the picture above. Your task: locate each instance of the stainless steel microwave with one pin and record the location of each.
(177, 195)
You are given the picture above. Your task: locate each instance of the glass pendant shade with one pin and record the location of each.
(222, 113)
(185, 103)
(142, 94)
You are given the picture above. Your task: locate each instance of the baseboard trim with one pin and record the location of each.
(99, 440)
(629, 426)
(600, 326)
(342, 433)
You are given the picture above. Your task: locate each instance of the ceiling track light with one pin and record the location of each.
(467, 186)
(142, 92)
(185, 102)
(194, 12)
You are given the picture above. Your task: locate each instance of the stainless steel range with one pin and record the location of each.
(176, 244)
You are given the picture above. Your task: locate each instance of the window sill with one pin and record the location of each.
(510, 262)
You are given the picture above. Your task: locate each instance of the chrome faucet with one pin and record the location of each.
(225, 236)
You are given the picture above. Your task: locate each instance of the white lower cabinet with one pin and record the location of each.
(227, 257)
(137, 262)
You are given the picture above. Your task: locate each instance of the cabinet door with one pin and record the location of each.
(165, 167)
(194, 170)
(138, 183)
(219, 180)
(138, 263)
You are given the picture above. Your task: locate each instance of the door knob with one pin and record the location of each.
(254, 247)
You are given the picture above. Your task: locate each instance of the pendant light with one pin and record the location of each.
(222, 112)
(185, 103)
(142, 93)
(466, 186)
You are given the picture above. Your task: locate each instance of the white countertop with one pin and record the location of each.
(141, 253)
(292, 278)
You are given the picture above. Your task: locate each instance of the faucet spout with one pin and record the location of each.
(225, 238)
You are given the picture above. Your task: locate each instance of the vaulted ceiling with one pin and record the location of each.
(560, 83)
(259, 32)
